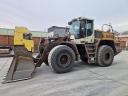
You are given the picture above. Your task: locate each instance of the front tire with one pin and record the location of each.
(61, 59)
(105, 56)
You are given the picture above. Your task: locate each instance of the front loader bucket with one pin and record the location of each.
(22, 66)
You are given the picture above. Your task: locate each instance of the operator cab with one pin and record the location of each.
(81, 30)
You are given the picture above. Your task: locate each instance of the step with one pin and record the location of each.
(92, 61)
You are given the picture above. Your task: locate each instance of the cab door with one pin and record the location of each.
(87, 31)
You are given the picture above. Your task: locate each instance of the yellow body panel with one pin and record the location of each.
(29, 44)
(108, 36)
(19, 39)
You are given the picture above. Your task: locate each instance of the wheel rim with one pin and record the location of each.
(64, 60)
(107, 56)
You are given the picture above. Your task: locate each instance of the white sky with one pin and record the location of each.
(41, 14)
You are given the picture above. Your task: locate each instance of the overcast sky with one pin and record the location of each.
(41, 14)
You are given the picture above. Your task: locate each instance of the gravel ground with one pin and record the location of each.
(84, 80)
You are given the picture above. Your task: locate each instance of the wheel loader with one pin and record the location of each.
(60, 53)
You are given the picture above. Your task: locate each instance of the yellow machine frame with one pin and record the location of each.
(20, 40)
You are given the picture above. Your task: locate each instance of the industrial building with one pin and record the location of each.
(124, 41)
(6, 36)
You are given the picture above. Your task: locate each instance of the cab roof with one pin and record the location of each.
(79, 19)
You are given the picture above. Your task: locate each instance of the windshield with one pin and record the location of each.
(75, 29)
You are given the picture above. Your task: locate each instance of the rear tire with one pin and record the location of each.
(61, 59)
(105, 56)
